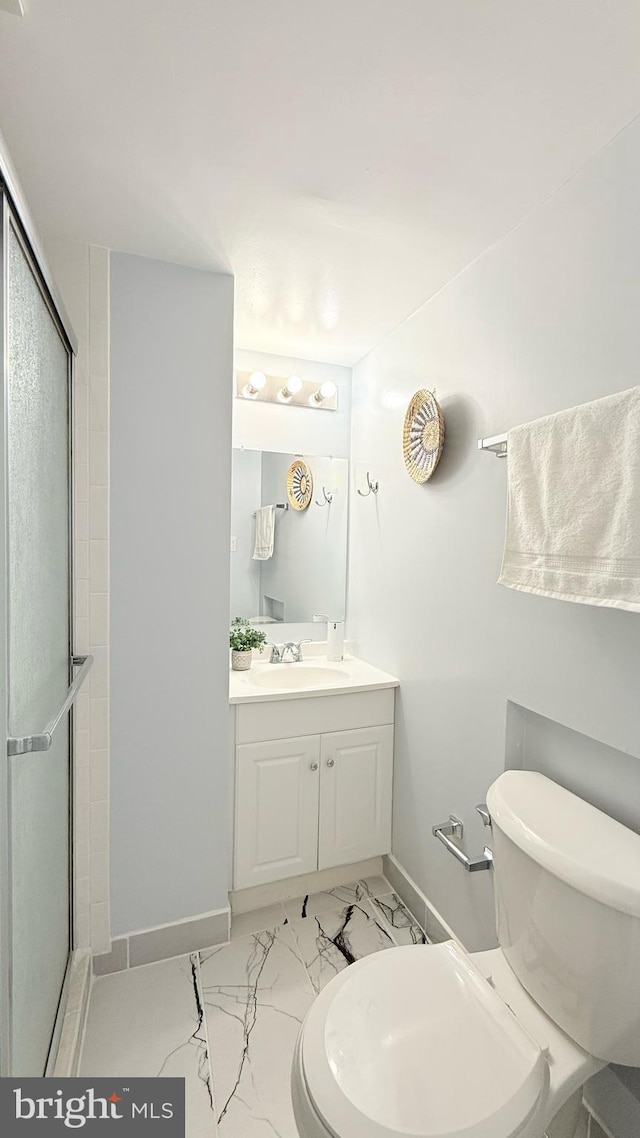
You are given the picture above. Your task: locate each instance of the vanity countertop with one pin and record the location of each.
(314, 676)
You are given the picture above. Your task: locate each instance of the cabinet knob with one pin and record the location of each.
(314, 766)
(331, 762)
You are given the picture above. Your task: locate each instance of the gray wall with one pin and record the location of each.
(546, 319)
(171, 370)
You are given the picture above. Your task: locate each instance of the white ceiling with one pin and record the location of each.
(343, 158)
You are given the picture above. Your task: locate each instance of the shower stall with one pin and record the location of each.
(39, 676)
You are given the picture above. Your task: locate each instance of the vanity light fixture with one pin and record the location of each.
(292, 391)
(326, 391)
(291, 388)
(254, 385)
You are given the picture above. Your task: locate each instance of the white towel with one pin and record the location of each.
(265, 533)
(573, 521)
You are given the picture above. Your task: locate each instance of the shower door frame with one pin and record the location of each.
(15, 214)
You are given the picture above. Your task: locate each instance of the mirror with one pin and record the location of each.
(306, 574)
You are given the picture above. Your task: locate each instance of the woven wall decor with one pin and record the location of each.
(423, 436)
(299, 484)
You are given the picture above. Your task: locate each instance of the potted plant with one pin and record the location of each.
(243, 638)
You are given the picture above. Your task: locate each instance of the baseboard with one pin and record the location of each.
(257, 896)
(420, 906)
(74, 1015)
(164, 942)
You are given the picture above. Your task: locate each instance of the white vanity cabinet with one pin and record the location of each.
(316, 798)
(356, 777)
(277, 792)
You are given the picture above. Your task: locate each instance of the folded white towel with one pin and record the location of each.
(265, 533)
(573, 521)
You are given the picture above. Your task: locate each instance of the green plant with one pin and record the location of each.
(243, 637)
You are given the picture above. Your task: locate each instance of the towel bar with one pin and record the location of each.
(278, 506)
(497, 444)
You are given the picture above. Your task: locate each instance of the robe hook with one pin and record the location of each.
(328, 498)
(373, 487)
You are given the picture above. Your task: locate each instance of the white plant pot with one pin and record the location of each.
(241, 661)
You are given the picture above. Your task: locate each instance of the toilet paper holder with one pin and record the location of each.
(454, 828)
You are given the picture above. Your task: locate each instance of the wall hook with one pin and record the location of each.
(328, 498)
(373, 487)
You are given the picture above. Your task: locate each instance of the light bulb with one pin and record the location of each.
(326, 391)
(254, 386)
(291, 388)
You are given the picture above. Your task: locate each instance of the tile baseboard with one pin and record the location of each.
(67, 1061)
(115, 961)
(418, 905)
(259, 896)
(165, 942)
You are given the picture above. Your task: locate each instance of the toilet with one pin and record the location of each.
(434, 1042)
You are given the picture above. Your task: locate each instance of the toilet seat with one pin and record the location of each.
(415, 1041)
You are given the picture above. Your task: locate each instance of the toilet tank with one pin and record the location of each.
(567, 889)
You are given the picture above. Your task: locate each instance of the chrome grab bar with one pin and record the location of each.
(43, 741)
(454, 828)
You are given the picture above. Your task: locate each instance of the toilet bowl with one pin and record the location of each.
(432, 1042)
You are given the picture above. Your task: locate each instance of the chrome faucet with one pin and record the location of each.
(294, 649)
(276, 653)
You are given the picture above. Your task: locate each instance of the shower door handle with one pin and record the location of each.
(43, 741)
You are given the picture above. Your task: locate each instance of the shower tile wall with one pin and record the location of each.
(82, 274)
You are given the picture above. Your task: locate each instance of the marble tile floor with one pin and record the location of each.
(227, 1018)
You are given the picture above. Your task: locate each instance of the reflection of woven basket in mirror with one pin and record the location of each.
(423, 436)
(299, 484)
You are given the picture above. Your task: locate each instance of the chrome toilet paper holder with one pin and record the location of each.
(454, 828)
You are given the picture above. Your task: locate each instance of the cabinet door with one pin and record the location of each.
(276, 832)
(355, 795)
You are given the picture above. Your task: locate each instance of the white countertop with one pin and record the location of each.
(314, 676)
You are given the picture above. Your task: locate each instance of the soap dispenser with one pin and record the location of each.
(335, 640)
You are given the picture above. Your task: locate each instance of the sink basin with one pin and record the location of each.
(282, 677)
(315, 676)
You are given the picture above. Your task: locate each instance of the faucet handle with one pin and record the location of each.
(298, 647)
(276, 652)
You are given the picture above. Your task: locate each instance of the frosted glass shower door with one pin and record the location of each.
(38, 604)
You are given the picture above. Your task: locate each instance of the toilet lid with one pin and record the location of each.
(414, 1041)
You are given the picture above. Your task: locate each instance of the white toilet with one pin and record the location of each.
(433, 1042)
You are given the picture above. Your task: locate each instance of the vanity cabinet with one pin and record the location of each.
(277, 793)
(311, 802)
(356, 776)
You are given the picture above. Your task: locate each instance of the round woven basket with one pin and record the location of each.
(423, 436)
(299, 484)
